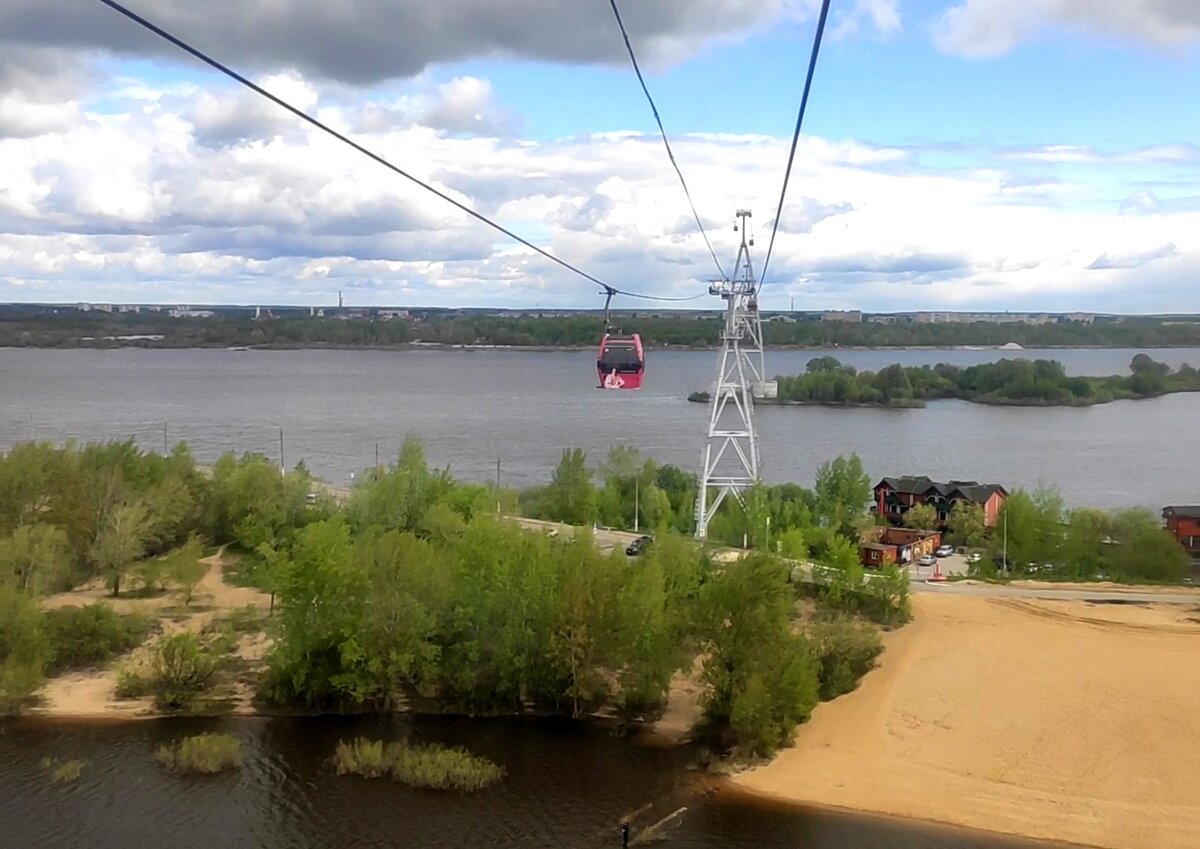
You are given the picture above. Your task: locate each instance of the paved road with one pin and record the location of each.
(1099, 594)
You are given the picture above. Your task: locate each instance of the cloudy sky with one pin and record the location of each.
(958, 154)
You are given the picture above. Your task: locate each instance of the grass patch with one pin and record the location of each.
(64, 772)
(247, 620)
(246, 569)
(203, 754)
(432, 766)
(90, 636)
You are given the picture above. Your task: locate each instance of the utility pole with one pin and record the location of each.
(165, 439)
(282, 467)
(768, 545)
(498, 486)
(637, 502)
(731, 462)
(376, 458)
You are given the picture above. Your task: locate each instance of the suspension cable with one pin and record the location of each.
(300, 113)
(812, 64)
(667, 144)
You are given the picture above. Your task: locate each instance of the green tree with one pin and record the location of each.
(760, 676)
(921, 516)
(24, 648)
(37, 558)
(186, 568)
(572, 498)
(843, 492)
(1084, 548)
(1143, 550)
(968, 526)
(121, 542)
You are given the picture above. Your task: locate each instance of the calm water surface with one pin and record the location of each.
(567, 787)
(523, 408)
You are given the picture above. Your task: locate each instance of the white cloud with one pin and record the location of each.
(882, 15)
(987, 28)
(144, 206)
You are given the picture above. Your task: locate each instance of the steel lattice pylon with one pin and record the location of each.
(731, 461)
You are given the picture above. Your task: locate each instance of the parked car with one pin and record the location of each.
(927, 560)
(974, 557)
(638, 546)
(944, 550)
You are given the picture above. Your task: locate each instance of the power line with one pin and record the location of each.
(670, 154)
(299, 113)
(812, 65)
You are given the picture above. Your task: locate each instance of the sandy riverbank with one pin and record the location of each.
(1059, 720)
(91, 694)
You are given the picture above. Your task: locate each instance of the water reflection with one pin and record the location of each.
(568, 786)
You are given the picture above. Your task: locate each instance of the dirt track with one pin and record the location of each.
(1061, 720)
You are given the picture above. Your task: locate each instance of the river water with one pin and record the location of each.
(568, 786)
(522, 408)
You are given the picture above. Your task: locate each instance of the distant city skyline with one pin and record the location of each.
(959, 155)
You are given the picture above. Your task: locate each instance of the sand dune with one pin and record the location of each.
(1061, 720)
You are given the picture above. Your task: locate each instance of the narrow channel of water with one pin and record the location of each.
(568, 785)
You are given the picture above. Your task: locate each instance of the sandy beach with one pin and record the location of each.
(1060, 720)
(91, 694)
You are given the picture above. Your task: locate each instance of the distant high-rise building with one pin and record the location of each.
(339, 299)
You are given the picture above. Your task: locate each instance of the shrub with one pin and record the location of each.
(182, 670)
(206, 754)
(131, 685)
(90, 636)
(846, 651)
(432, 766)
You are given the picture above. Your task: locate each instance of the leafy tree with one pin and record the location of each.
(121, 542)
(186, 568)
(1142, 549)
(760, 676)
(843, 491)
(36, 557)
(571, 494)
(1083, 552)
(968, 526)
(921, 516)
(24, 648)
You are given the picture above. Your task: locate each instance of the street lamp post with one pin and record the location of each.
(637, 502)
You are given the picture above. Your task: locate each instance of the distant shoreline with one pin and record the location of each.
(476, 348)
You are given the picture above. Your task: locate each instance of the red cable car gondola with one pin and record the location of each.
(621, 362)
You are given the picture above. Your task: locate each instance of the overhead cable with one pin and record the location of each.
(666, 143)
(812, 65)
(300, 113)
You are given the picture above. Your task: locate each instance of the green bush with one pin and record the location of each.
(206, 754)
(430, 766)
(131, 685)
(182, 670)
(846, 650)
(89, 636)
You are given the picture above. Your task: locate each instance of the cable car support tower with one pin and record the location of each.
(731, 460)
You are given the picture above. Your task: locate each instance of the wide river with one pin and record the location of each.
(472, 408)
(568, 786)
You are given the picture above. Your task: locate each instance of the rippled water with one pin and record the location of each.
(523, 408)
(567, 787)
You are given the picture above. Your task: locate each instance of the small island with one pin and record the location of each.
(1017, 382)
